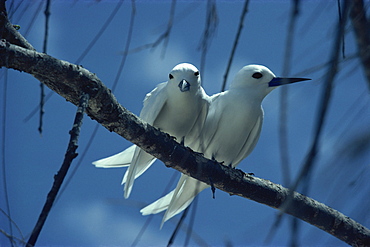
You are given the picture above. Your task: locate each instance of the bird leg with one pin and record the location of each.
(212, 188)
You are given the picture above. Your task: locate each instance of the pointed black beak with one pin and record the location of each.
(184, 86)
(278, 81)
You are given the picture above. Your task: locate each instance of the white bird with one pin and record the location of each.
(178, 107)
(229, 135)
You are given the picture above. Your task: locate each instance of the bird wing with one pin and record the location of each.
(211, 125)
(250, 142)
(193, 138)
(153, 104)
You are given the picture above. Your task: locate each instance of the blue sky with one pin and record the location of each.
(92, 211)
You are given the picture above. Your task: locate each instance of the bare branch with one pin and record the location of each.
(310, 160)
(164, 37)
(3, 160)
(283, 119)
(100, 32)
(59, 177)
(8, 32)
(361, 27)
(44, 50)
(241, 25)
(70, 81)
(208, 33)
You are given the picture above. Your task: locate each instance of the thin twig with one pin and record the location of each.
(361, 27)
(3, 162)
(283, 133)
(35, 110)
(128, 43)
(100, 33)
(164, 37)
(150, 217)
(33, 19)
(178, 225)
(59, 177)
(192, 220)
(8, 31)
(44, 50)
(115, 83)
(283, 121)
(208, 33)
(12, 238)
(309, 163)
(13, 222)
(241, 24)
(83, 54)
(78, 164)
(169, 27)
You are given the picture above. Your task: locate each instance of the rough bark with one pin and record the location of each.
(71, 81)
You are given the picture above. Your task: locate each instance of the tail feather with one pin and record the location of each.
(121, 159)
(140, 163)
(177, 200)
(158, 206)
(139, 170)
(186, 190)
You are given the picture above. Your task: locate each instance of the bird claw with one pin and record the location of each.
(212, 188)
(183, 141)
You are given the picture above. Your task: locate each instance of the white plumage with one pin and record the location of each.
(230, 133)
(178, 107)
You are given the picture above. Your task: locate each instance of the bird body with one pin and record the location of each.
(178, 107)
(230, 132)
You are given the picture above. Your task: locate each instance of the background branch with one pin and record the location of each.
(70, 81)
(8, 31)
(361, 27)
(59, 177)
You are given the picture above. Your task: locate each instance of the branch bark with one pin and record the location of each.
(8, 31)
(70, 81)
(60, 176)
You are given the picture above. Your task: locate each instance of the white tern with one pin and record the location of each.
(178, 107)
(230, 132)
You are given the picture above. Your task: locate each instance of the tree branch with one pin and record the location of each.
(8, 31)
(59, 177)
(70, 81)
(361, 27)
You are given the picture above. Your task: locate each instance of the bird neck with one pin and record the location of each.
(250, 94)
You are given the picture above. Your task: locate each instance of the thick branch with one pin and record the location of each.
(8, 32)
(70, 81)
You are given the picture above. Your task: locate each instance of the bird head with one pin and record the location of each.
(260, 80)
(186, 77)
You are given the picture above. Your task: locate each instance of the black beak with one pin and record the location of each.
(184, 86)
(278, 81)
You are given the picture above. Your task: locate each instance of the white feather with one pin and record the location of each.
(230, 133)
(179, 111)
(121, 159)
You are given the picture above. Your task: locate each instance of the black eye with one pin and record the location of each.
(257, 75)
(196, 73)
(170, 76)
